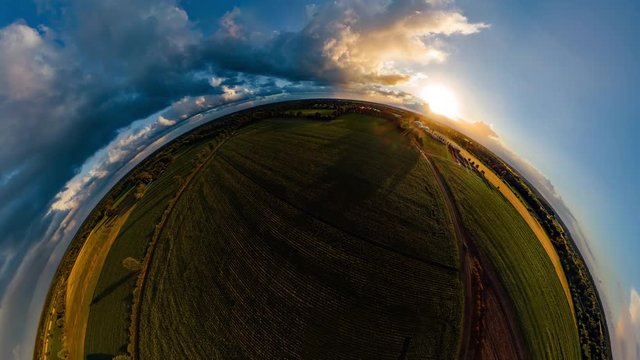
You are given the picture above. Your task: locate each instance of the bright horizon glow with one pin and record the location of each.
(441, 100)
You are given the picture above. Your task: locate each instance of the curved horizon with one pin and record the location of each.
(69, 220)
(90, 89)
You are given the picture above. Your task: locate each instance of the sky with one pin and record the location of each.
(87, 87)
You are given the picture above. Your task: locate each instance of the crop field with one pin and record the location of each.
(522, 264)
(310, 230)
(54, 332)
(433, 147)
(83, 280)
(306, 239)
(310, 112)
(109, 315)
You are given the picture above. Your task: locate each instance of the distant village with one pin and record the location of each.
(454, 150)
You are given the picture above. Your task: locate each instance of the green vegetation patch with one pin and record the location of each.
(310, 112)
(521, 262)
(110, 310)
(314, 237)
(306, 239)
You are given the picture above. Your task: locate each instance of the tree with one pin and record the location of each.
(140, 190)
(63, 354)
(108, 207)
(145, 177)
(131, 264)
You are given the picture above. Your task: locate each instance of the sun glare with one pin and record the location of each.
(441, 100)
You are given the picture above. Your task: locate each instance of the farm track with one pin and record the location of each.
(140, 283)
(83, 280)
(485, 299)
(534, 225)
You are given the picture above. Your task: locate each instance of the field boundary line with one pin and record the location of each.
(134, 338)
(469, 252)
(543, 238)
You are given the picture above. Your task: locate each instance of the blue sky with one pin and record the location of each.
(559, 81)
(567, 78)
(556, 80)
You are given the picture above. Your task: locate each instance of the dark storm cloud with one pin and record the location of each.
(83, 96)
(345, 42)
(63, 95)
(64, 92)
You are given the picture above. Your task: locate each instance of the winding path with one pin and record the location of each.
(535, 226)
(140, 283)
(480, 282)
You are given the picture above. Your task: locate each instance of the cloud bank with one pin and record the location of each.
(347, 42)
(624, 327)
(84, 94)
(626, 336)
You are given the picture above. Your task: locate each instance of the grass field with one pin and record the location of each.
(54, 335)
(532, 223)
(108, 326)
(310, 112)
(83, 280)
(306, 239)
(433, 147)
(522, 264)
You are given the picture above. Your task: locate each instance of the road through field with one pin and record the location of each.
(480, 284)
(83, 280)
(140, 283)
(542, 236)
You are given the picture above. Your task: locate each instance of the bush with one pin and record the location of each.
(63, 354)
(131, 264)
(140, 190)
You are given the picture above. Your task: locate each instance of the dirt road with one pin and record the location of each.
(83, 280)
(490, 326)
(535, 226)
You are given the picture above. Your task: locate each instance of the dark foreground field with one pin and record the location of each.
(336, 230)
(304, 239)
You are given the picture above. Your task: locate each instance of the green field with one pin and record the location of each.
(306, 239)
(109, 314)
(433, 147)
(310, 112)
(521, 262)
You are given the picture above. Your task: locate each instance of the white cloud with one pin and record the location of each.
(370, 43)
(129, 140)
(231, 93)
(634, 307)
(165, 122)
(216, 81)
(345, 42)
(229, 24)
(311, 10)
(25, 62)
(624, 329)
(626, 339)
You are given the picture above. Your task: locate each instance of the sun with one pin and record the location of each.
(441, 100)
